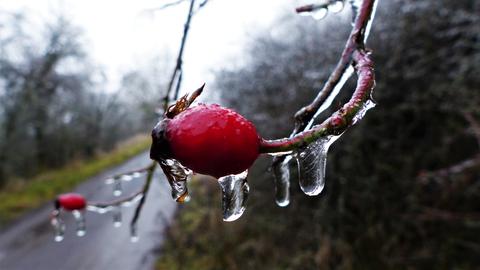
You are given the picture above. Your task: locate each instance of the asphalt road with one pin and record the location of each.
(28, 243)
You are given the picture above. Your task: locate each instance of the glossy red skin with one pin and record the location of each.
(213, 140)
(72, 201)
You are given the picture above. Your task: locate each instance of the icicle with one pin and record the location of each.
(58, 225)
(117, 187)
(234, 195)
(117, 216)
(133, 234)
(177, 178)
(132, 201)
(319, 14)
(80, 221)
(360, 114)
(336, 6)
(98, 209)
(311, 162)
(281, 174)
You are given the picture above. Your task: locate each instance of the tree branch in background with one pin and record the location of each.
(474, 125)
(305, 117)
(341, 120)
(177, 71)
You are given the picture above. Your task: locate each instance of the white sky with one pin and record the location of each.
(120, 37)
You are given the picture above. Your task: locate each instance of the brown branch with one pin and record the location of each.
(177, 72)
(355, 41)
(474, 125)
(341, 120)
(432, 214)
(453, 169)
(166, 6)
(150, 168)
(313, 7)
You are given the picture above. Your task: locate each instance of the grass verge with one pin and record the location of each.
(22, 196)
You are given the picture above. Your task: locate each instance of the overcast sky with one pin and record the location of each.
(121, 35)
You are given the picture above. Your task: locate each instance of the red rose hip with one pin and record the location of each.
(71, 201)
(213, 140)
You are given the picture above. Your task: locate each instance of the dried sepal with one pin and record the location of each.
(183, 103)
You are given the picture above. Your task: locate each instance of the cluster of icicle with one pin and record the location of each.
(234, 188)
(115, 209)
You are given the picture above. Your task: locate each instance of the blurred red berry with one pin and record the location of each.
(71, 201)
(213, 140)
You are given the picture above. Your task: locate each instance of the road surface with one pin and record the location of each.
(28, 243)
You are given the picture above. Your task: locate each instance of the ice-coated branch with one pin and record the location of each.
(340, 74)
(342, 119)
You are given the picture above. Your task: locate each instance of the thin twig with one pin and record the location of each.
(138, 210)
(341, 120)
(453, 169)
(474, 125)
(178, 66)
(355, 41)
(150, 168)
(432, 214)
(305, 116)
(166, 6)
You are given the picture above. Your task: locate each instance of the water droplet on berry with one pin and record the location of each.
(281, 175)
(235, 191)
(311, 161)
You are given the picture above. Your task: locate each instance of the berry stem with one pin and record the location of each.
(342, 119)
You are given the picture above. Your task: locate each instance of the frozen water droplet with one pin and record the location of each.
(126, 177)
(319, 14)
(279, 154)
(58, 226)
(312, 161)
(117, 187)
(136, 174)
(361, 113)
(134, 239)
(80, 221)
(109, 181)
(132, 201)
(234, 195)
(59, 238)
(177, 176)
(97, 209)
(281, 175)
(133, 234)
(117, 216)
(336, 6)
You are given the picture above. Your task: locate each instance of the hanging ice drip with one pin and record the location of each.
(235, 191)
(117, 180)
(71, 203)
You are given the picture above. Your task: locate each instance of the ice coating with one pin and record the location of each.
(80, 221)
(235, 191)
(58, 226)
(281, 174)
(117, 217)
(116, 181)
(177, 176)
(312, 161)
